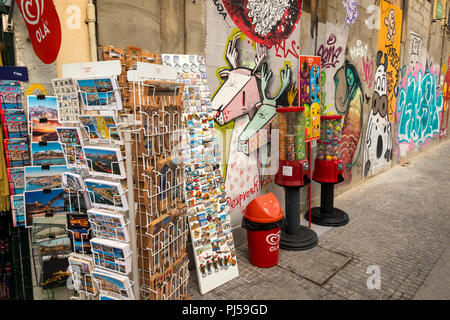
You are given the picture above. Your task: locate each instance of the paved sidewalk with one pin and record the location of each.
(400, 222)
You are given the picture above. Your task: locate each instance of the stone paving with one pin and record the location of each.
(399, 222)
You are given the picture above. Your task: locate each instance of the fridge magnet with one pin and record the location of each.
(17, 153)
(16, 178)
(113, 285)
(43, 118)
(47, 154)
(81, 267)
(100, 93)
(105, 162)
(14, 124)
(111, 255)
(107, 195)
(108, 225)
(18, 210)
(40, 178)
(10, 95)
(101, 129)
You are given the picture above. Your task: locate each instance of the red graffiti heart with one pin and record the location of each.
(264, 25)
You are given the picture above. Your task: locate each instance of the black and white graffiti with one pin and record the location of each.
(378, 144)
(415, 49)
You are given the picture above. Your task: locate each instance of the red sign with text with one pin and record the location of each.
(43, 27)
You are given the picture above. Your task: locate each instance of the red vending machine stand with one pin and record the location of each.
(329, 171)
(293, 174)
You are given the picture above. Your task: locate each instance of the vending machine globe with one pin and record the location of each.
(293, 174)
(329, 171)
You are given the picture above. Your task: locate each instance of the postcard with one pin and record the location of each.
(79, 229)
(16, 178)
(38, 178)
(65, 87)
(101, 129)
(54, 254)
(111, 255)
(113, 285)
(100, 93)
(10, 95)
(73, 181)
(17, 153)
(39, 203)
(105, 162)
(47, 154)
(18, 210)
(107, 195)
(14, 123)
(71, 141)
(43, 118)
(81, 267)
(108, 225)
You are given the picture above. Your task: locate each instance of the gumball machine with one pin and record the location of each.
(293, 174)
(329, 171)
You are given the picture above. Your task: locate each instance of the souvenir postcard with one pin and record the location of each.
(16, 178)
(54, 253)
(39, 203)
(105, 162)
(47, 154)
(43, 118)
(72, 144)
(111, 255)
(107, 298)
(108, 225)
(65, 87)
(17, 153)
(113, 285)
(73, 181)
(100, 94)
(81, 267)
(79, 230)
(107, 195)
(10, 95)
(14, 123)
(101, 129)
(18, 210)
(38, 178)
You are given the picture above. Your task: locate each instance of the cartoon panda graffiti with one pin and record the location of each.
(378, 143)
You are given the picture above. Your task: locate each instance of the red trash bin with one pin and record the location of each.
(263, 220)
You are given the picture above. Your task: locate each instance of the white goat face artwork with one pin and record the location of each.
(266, 14)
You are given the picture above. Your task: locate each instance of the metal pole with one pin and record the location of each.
(131, 212)
(292, 198)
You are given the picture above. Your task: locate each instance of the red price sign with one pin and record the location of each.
(43, 27)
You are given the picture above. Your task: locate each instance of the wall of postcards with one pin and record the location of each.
(161, 221)
(208, 210)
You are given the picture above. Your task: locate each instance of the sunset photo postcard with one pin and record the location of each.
(43, 118)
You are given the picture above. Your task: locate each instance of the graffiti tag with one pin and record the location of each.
(220, 9)
(368, 71)
(284, 49)
(359, 50)
(329, 53)
(351, 8)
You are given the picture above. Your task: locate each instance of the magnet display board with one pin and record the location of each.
(208, 210)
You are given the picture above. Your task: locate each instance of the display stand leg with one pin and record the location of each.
(295, 237)
(327, 215)
(131, 213)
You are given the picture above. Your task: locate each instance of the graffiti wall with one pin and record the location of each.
(420, 104)
(252, 54)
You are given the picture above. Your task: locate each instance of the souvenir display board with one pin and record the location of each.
(68, 105)
(208, 210)
(310, 95)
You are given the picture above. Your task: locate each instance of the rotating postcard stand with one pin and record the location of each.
(329, 171)
(293, 175)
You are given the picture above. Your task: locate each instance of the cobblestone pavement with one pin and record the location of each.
(399, 222)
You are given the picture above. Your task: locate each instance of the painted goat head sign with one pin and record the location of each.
(266, 22)
(43, 27)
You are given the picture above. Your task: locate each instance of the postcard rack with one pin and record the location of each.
(81, 282)
(158, 170)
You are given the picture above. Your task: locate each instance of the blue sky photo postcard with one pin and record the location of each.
(113, 285)
(37, 178)
(50, 153)
(101, 129)
(106, 195)
(105, 162)
(100, 94)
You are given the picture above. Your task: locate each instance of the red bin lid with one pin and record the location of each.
(264, 209)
